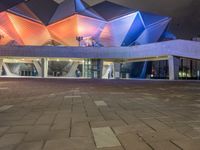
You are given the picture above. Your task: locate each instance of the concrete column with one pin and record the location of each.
(173, 63)
(101, 69)
(1, 66)
(44, 67)
(117, 70)
(38, 67)
(97, 68)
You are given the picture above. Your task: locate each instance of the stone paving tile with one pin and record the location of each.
(111, 148)
(104, 137)
(5, 107)
(164, 145)
(161, 136)
(70, 144)
(187, 144)
(131, 141)
(81, 129)
(46, 119)
(109, 115)
(79, 117)
(111, 123)
(100, 103)
(123, 129)
(37, 133)
(60, 114)
(91, 112)
(3, 130)
(61, 124)
(30, 146)
(156, 124)
(10, 116)
(19, 129)
(32, 115)
(10, 139)
(8, 147)
(23, 122)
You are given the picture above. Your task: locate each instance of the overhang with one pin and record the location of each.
(181, 48)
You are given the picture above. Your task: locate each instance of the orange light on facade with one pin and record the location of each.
(31, 33)
(89, 27)
(65, 31)
(8, 29)
(4, 38)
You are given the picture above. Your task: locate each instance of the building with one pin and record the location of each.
(73, 39)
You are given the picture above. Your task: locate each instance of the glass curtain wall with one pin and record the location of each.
(189, 69)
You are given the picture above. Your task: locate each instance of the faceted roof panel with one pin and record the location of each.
(110, 11)
(65, 31)
(7, 27)
(134, 32)
(39, 21)
(6, 4)
(115, 31)
(43, 9)
(91, 13)
(77, 25)
(155, 30)
(150, 18)
(80, 5)
(22, 10)
(31, 33)
(67, 8)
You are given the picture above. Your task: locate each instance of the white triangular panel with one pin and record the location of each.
(67, 8)
(115, 31)
(153, 33)
(90, 27)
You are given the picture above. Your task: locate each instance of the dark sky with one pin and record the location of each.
(185, 13)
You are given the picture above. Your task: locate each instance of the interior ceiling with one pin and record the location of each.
(185, 13)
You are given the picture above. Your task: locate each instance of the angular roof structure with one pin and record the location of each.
(6, 4)
(70, 7)
(36, 10)
(66, 9)
(150, 19)
(110, 11)
(23, 10)
(43, 9)
(109, 24)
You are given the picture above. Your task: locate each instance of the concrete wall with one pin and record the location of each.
(180, 48)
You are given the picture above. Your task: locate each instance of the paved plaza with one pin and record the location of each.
(53, 114)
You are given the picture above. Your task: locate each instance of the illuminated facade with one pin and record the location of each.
(74, 23)
(108, 24)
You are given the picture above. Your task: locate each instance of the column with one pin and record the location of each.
(38, 67)
(1, 66)
(117, 70)
(173, 63)
(44, 67)
(97, 68)
(100, 69)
